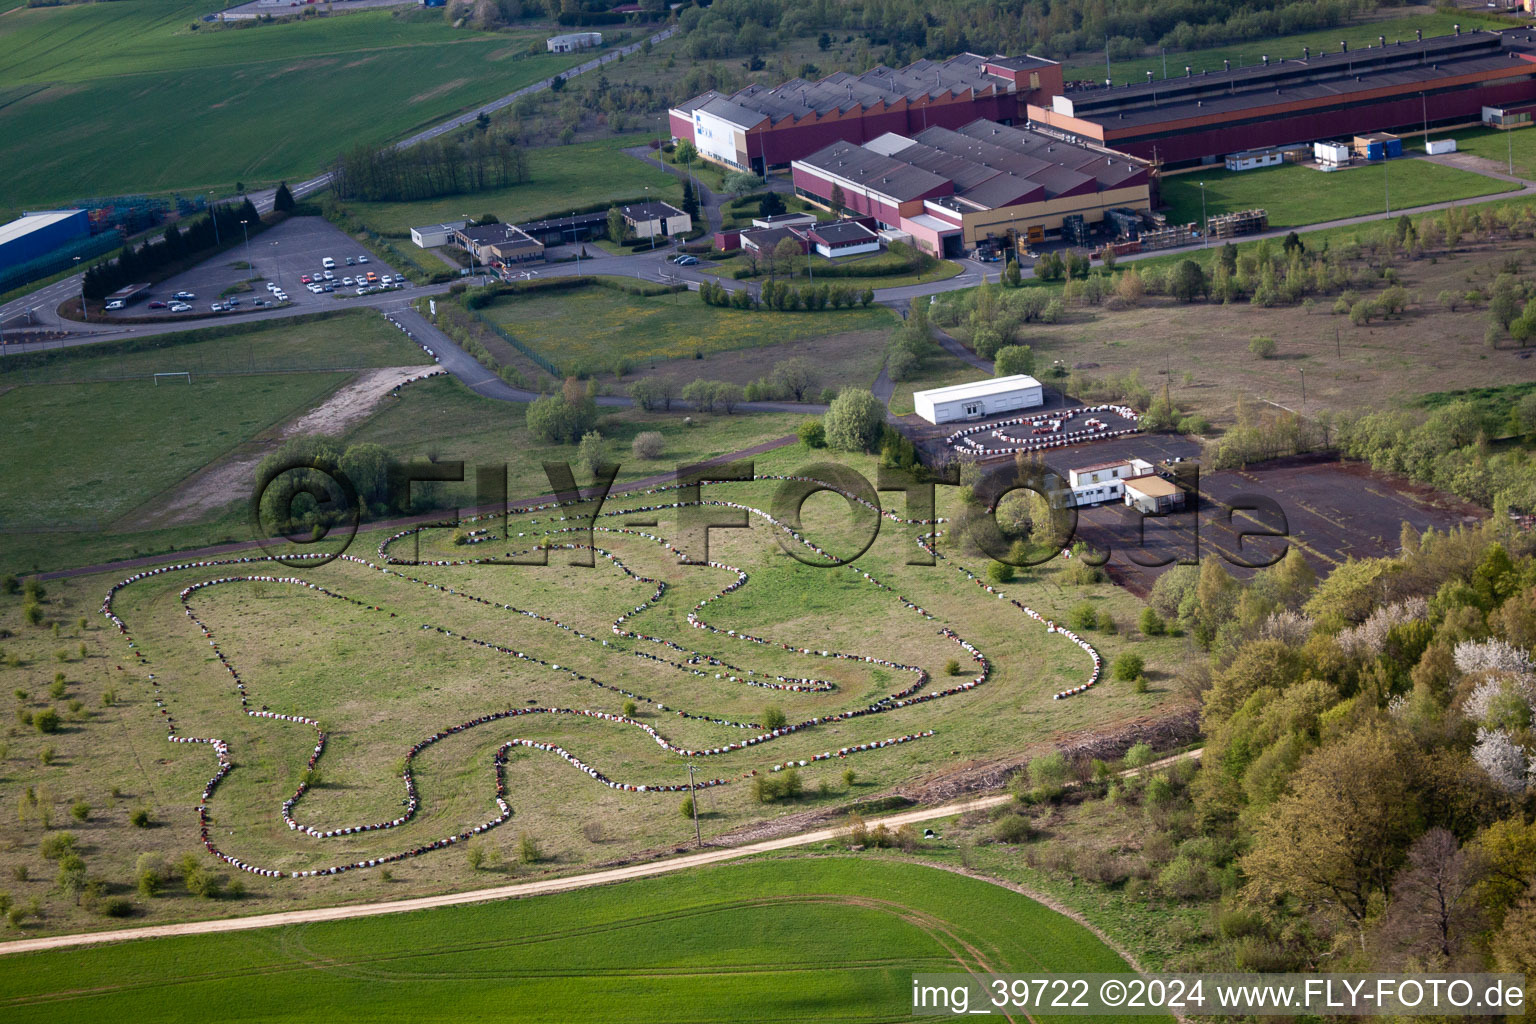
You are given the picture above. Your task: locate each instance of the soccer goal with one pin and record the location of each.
(174, 373)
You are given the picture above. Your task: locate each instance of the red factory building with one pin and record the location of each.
(760, 128)
(1398, 85)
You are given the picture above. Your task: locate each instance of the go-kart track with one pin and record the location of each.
(1059, 428)
(665, 652)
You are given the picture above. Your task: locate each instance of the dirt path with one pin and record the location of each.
(548, 885)
(215, 485)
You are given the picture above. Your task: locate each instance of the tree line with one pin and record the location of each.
(175, 245)
(434, 168)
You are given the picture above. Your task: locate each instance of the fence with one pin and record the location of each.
(59, 259)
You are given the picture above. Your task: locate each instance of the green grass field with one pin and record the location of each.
(125, 98)
(1501, 147)
(1358, 34)
(618, 325)
(803, 939)
(112, 446)
(561, 179)
(1296, 195)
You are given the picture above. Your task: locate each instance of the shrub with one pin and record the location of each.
(630, 709)
(1129, 665)
(46, 721)
(854, 421)
(80, 810)
(1263, 347)
(849, 776)
(139, 818)
(1139, 756)
(999, 572)
(528, 851)
(952, 667)
(687, 808)
(648, 444)
(117, 906)
(812, 434)
(1141, 685)
(774, 718)
(1013, 829)
(57, 845)
(1082, 616)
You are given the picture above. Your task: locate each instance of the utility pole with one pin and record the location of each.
(213, 215)
(1511, 140)
(693, 800)
(1165, 63)
(1303, 389)
(1108, 76)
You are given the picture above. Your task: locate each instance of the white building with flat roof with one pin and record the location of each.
(1104, 481)
(979, 399)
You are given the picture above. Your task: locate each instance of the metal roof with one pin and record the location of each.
(979, 389)
(886, 176)
(25, 225)
(844, 231)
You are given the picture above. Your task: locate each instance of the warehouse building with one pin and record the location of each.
(35, 235)
(979, 399)
(760, 128)
(572, 42)
(1104, 481)
(1399, 85)
(432, 235)
(952, 189)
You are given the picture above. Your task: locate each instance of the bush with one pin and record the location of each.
(80, 811)
(774, 718)
(999, 572)
(952, 667)
(812, 434)
(1013, 829)
(687, 808)
(56, 845)
(854, 422)
(117, 906)
(1012, 359)
(1129, 665)
(1139, 756)
(46, 721)
(528, 851)
(1263, 347)
(1082, 617)
(139, 818)
(648, 444)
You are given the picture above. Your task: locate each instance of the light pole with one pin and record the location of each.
(278, 266)
(1205, 224)
(1386, 181)
(84, 316)
(1511, 140)
(1303, 388)
(213, 215)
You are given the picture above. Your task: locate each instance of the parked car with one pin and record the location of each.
(351, 261)
(217, 307)
(232, 302)
(329, 276)
(305, 279)
(362, 259)
(329, 288)
(687, 261)
(157, 304)
(184, 296)
(347, 281)
(180, 307)
(327, 263)
(258, 302)
(117, 304)
(362, 291)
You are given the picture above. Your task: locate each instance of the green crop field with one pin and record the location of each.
(652, 329)
(560, 179)
(1358, 34)
(1295, 195)
(824, 939)
(97, 99)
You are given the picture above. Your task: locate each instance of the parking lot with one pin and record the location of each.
(283, 256)
(1330, 510)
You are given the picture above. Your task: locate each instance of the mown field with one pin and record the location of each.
(560, 179)
(1296, 195)
(1517, 145)
(381, 676)
(108, 437)
(98, 99)
(617, 326)
(804, 939)
(1358, 34)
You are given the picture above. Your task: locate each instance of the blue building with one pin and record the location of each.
(37, 234)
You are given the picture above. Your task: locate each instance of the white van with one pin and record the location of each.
(328, 263)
